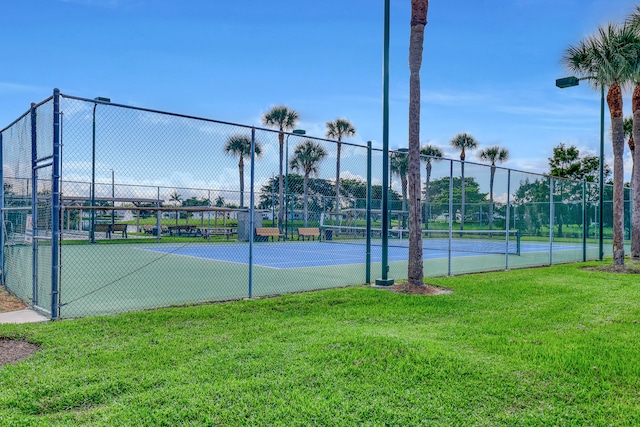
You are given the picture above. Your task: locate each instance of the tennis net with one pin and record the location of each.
(475, 241)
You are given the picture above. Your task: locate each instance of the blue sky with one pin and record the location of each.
(489, 66)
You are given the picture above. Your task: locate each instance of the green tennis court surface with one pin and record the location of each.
(102, 279)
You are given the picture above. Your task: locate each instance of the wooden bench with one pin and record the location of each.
(267, 232)
(312, 232)
(111, 228)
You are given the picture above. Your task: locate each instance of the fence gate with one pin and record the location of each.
(45, 187)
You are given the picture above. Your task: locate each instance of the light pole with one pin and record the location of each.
(575, 81)
(92, 234)
(385, 280)
(286, 183)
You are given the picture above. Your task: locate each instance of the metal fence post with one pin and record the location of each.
(450, 215)
(2, 236)
(34, 205)
(508, 219)
(159, 219)
(551, 215)
(368, 216)
(585, 221)
(55, 203)
(251, 209)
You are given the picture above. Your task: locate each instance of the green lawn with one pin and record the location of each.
(534, 347)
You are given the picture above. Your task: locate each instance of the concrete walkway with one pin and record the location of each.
(22, 316)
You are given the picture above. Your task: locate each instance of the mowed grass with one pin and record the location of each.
(546, 346)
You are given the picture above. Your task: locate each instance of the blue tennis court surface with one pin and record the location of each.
(284, 255)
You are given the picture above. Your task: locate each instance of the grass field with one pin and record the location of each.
(545, 346)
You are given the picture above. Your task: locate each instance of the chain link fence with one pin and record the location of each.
(110, 208)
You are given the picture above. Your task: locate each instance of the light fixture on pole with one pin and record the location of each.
(92, 234)
(286, 183)
(575, 81)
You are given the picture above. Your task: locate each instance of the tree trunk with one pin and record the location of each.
(338, 148)
(281, 209)
(418, 21)
(635, 178)
(614, 100)
(491, 179)
(462, 197)
(241, 171)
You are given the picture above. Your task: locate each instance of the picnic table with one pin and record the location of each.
(184, 230)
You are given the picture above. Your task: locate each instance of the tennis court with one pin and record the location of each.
(285, 255)
(188, 214)
(103, 279)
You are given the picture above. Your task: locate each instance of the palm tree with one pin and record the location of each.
(429, 153)
(177, 198)
(419, 9)
(284, 119)
(338, 129)
(633, 20)
(609, 58)
(463, 142)
(306, 158)
(240, 146)
(493, 154)
(400, 166)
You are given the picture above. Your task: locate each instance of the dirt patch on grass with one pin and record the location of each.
(406, 288)
(630, 267)
(10, 303)
(12, 351)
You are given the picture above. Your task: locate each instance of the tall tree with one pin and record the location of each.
(284, 119)
(463, 142)
(633, 20)
(430, 154)
(419, 9)
(306, 158)
(338, 129)
(240, 146)
(609, 58)
(492, 155)
(400, 166)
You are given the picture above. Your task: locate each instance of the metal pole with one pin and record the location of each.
(585, 223)
(450, 215)
(92, 237)
(385, 280)
(286, 190)
(158, 219)
(55, 202)
(601, 202)
(273, 203)
(113, 198)
(251, 210)
(551, 214)
(368, 215)
(2, 236)
(34, 206)
(508, 220)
